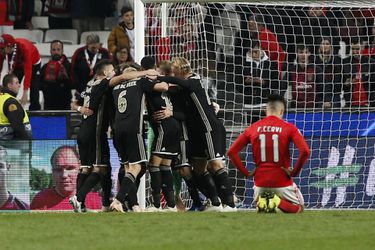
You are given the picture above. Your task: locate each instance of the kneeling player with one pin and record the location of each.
(270, 137)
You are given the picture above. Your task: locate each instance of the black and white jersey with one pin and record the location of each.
(179, 99)
(199, 111)
(129, 100)
(93, 95)
(92, 137)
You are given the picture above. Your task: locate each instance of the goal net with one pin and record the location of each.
(318, 54)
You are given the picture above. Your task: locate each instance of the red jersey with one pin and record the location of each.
(49, 199)
(270, 139)
(24, 57)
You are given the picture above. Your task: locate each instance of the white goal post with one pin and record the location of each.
(333, 107)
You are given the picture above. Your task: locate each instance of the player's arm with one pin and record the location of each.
(186, 84)
(233, 151)
(304, 152)
(15, 114)
(129, 75)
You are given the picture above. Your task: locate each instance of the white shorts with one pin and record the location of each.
(290, 193)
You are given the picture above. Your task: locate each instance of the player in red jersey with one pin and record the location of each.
(270, 138)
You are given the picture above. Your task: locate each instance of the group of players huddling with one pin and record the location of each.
(189, 137)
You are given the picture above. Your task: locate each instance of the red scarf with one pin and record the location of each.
(359, 96)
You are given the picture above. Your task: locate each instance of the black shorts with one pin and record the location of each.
(208, 145)
(167, 138)
(182, 159)
(93, 145)
(130, 145)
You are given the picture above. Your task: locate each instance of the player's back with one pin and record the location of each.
(270, 139)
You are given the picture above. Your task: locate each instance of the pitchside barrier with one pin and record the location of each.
(340, 173)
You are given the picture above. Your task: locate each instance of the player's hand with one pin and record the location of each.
(152, 72)
(249, 79)
(73, 105)
(288, 171)
(327, 105)
(216, 107)
(151, 77)
(162, 114)
(86, 111)
(23, 100)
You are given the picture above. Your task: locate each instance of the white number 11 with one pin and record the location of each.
(275, 139)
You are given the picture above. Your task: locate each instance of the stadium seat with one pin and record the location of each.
(103, 36)
(40, 22)
(35, 36)
(69, 49)
(68, 36)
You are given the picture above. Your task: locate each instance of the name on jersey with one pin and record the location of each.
(263, 129)
(126, 85)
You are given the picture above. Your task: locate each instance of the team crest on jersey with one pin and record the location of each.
(12, 107)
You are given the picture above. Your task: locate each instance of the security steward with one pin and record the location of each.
(14, 121)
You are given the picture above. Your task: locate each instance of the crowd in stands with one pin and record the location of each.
(295, 51)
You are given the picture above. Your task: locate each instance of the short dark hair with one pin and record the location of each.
(276, 98)
(57, 41)
(125, 9)
(8, 79)
(254, 43)
(302, 46)
(355, 40)
(58, 150)
(99, 67)
(148, 62)
(257, 18)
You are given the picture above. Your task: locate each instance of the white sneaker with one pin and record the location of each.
(116, 206)
(229, 209)
(153, 209)
(137, 209)
(105, 209)
(170, 209)
(214, 208)
(75, 204)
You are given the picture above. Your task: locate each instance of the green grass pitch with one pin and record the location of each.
(242, 230)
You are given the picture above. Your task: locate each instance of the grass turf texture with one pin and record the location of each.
(242, 230)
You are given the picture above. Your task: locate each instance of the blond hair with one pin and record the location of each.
(165, 68)
(181, 65)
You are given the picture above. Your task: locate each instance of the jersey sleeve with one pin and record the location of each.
(235, 148)
(188, 84)
(97, 94)
(303, 148)
(145, 84)
(15, 114)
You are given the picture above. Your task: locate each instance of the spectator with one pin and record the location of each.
(7, 16)
(123, 34)
(22, 58)
(359, 77)
(267, 39)
(332, 73)
(319, 22)
(306, 80)
(55, 80)
(121, 59)
(7, 200)
(59, 16)
(23, 21)
(370, 49)
(259, 76)
(84, 59)
(65, 164)
(14, 121)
